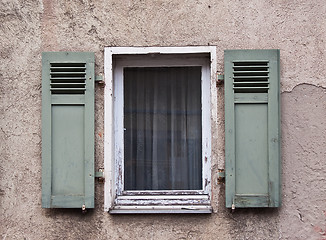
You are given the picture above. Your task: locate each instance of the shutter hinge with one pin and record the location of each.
(220, 79)
(100, 175)
(99, 79)
(220, 176)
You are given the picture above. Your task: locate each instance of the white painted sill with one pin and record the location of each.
(160, 209)
(143, 204)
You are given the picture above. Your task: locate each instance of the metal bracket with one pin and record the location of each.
(220, 176)
(233, 207)
(100, 175)
(84, 209)
(99, 79)
(220, 80)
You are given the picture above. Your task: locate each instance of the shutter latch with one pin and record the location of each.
(220, 79)
(100, 175)
(84, 209)
(220, 176)
(233, 207)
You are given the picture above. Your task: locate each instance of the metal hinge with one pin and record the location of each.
(220, 79)
(99, 79)
(100, 175)
(220, 176)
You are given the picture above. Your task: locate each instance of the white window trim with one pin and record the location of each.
(154, 201)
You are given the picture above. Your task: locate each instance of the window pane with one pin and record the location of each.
(162, 121)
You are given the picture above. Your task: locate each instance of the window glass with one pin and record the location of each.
(162, 128)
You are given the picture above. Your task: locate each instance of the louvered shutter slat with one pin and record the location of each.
(68, 78)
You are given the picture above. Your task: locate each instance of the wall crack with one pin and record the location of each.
(300, 84)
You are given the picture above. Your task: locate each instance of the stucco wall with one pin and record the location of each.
(297, 28)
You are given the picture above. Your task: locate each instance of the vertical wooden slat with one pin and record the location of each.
(46, 133)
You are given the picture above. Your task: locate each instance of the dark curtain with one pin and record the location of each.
(162, 128)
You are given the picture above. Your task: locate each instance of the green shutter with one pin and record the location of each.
(252, 128)
(67, 130)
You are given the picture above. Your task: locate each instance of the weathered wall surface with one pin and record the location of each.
(297, 28)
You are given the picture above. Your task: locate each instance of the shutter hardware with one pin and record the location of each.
(220, 180)
(100, 80)
(220, 80)
(233, 207)
(100, 175)
(84, 209)
(220, 176)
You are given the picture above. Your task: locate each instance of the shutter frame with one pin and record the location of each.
(241, 191)
(63, 184)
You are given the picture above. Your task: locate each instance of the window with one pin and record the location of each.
(159, 105)
(157, 129)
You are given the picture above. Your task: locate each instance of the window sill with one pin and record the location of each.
(143, 204)
(175, 209)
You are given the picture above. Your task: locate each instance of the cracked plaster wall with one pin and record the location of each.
(296, 27)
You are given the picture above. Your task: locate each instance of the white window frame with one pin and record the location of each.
(116, 200)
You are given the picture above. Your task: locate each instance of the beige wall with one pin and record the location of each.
(297, 28)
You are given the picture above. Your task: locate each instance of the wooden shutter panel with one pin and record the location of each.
(252, 128)
(67, 129)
